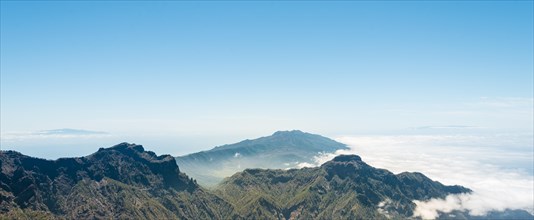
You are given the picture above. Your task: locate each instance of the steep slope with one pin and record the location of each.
(283, 149)
(127, 182)
(123, 181)
(344, 188)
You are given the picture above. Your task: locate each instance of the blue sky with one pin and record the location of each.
(224, 71)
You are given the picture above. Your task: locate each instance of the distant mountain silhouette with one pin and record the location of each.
(282, 150)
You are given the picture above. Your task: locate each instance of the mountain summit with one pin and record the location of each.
(281, 150)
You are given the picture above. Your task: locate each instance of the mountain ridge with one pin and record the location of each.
(126, 181)
(115, 178)
(344, 183)
(281, 150)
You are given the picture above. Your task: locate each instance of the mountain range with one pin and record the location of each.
(282, 150)
(127, 182)
(123, 181)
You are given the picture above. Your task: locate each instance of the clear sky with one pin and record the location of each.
(225, 71)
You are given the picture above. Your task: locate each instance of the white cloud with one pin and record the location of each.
(429, 209)
(305, 164)
(495, 167)
(447, 127)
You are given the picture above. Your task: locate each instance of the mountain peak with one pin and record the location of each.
(347, 158)
(135, 150)
(292, 132)
(127, 146)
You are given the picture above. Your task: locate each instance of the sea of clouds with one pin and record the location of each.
(498, 168)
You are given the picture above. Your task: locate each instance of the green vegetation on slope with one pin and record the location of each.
(282, 150)
(126, 182)
(123, 181)
(344, 188)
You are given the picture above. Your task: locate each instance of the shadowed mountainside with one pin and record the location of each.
(123, 181)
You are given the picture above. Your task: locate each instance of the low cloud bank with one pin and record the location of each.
(65, 133)
(495, 167)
